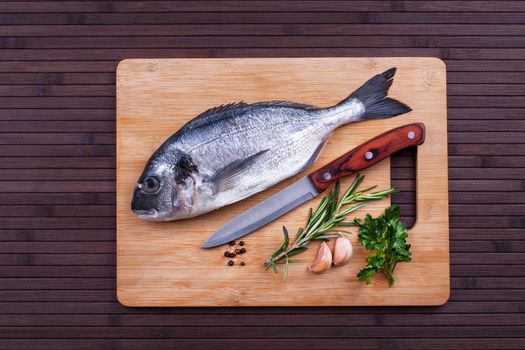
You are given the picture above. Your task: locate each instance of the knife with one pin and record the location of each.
(361, 157)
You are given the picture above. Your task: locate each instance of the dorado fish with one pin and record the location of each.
(233, 151)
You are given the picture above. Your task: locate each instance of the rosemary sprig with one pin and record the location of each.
(325, 222)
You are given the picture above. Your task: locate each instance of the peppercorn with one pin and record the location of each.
(243, 263)
(227, 254)
(232, 243)
(232, 255)
(231, 263)
(242, 250)
(241, 243)
(237, 251)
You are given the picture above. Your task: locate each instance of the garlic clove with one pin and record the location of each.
(323, 260)
(342, 251)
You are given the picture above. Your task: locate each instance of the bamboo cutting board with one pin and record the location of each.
(162, 264)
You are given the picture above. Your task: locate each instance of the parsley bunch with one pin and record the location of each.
(387, 236)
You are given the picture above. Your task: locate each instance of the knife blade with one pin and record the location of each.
(308, 187)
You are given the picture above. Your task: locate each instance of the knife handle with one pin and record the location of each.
(369, 153)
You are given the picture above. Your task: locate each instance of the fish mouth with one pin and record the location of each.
(146, 214)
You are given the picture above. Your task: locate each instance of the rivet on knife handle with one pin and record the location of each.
(369, 153)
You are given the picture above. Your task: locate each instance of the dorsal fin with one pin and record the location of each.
(214, 114)
(236, 106)
(218, 113)
(281, 103)
(223, 108)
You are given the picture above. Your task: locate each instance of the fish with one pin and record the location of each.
(233, 151)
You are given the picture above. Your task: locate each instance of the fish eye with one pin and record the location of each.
(151, 184)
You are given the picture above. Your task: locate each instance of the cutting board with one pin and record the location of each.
(162, 264)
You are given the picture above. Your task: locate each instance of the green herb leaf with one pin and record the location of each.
(323, 237)
(297, 250)
(386, 235)
(286, 268)
(299, 233)
(286, 241)
(367, 273)
(344, 223)
(282, 261)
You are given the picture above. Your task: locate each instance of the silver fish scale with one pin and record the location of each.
(291, 136)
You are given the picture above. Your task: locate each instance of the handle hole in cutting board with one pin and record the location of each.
(403, 175)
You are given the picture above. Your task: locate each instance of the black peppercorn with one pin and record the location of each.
(237, 251)
(243, 263)
(232, 243)
(231, 263)
(242, 250)
(227, 254)
(241, 243)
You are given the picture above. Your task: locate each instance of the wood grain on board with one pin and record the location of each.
(162, 264)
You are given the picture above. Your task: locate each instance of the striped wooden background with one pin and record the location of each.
(57, 168)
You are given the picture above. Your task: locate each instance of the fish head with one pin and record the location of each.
(166, 189)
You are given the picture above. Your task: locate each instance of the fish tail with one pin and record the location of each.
(372, 95)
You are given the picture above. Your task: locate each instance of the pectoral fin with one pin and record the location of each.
(226, 178)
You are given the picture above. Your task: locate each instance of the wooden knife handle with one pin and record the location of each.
(369, 153)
